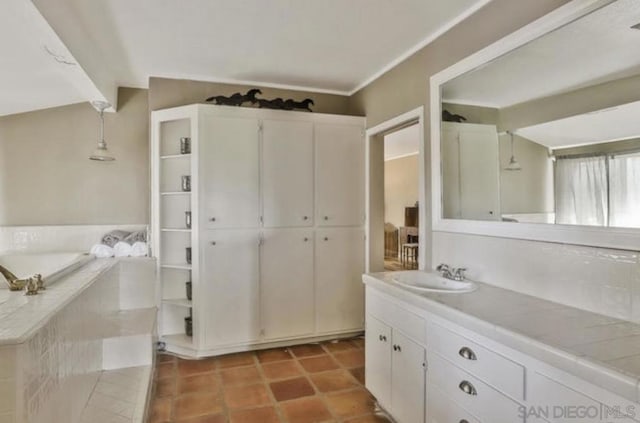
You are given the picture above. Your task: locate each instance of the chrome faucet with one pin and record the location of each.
(33, 284)
(456, 274)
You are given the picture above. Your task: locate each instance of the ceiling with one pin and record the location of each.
(597, 48)
(402, 143)
(37, 71)
(332, 46)
(617, 123)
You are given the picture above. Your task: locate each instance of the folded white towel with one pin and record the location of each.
(102, 251)
(139, 249)
(122, 249)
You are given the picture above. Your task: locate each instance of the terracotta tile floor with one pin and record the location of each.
(303, 384)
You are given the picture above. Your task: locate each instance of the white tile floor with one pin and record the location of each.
(119, 396)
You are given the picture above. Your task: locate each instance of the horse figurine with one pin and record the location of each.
(447, 116)
(236, 99)
(303, 105)
(276, 103)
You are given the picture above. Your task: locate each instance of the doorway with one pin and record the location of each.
(395, 191)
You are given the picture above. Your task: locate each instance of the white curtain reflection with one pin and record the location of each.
(581, 191)
(624, 191)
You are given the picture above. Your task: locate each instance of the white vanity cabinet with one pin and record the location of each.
(394, 362)
(471, 378)
(264, 270)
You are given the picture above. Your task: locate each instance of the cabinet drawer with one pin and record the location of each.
(408, 323)
(559, 404)
(480, 399)
(505, 375)
(441, 409)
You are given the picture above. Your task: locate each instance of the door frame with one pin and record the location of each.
(415, 115)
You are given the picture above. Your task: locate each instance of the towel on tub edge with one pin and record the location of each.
(102, 251)
(122, 249)
(113, 237)
(139, 249)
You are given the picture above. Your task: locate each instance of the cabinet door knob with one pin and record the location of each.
(213, 219)
(397, 348)
(466, 352)
(306, 239)
(213, 243)
(326, 218)
(383, 338)
(467, 388)
(305, 217)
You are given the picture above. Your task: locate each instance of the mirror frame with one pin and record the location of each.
(619, 238)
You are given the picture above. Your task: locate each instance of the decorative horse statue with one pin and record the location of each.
(304, 104)
(447, 116)
(276, 103)
(236, 99)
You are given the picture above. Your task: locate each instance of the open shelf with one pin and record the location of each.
(175, 156)
(176, 193)
(181, 302)
(181, 266)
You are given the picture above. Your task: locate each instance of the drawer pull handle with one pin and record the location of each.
(383, 338)
(397, 348)
(467, 388)
(306, 239)
(213, 219)
(466, 352)
(213, 243)
(464, 421)
(305, 217)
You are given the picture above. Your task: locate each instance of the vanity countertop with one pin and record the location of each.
(599, 349)
(21, 315)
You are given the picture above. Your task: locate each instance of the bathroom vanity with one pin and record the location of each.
(494, 355)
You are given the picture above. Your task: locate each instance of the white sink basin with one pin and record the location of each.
(431, 282)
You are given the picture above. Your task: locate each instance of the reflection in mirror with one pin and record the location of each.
(528, 139)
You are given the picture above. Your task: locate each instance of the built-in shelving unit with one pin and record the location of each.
(171, 235)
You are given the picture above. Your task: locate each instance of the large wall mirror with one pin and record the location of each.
(538, 136)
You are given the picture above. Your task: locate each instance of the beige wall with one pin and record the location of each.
(164, 93)
(406, 86)
(400, 188)
(529, 190)
(46, 177)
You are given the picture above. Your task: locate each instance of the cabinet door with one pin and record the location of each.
(407, 380)
(339, 288)
(479, 173)
(286, 283)
(287, 173)
(377, 349)
(229, 172)
(339, 175)
(229, 278)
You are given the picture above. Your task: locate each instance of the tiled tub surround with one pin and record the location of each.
(54, 346)
(600, 280)
(602, 350)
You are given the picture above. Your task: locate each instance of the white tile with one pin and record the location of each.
(612, 349)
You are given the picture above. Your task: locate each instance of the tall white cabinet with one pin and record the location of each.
(470, 171)
(277, 238)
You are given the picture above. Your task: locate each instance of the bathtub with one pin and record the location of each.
(52, 266)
